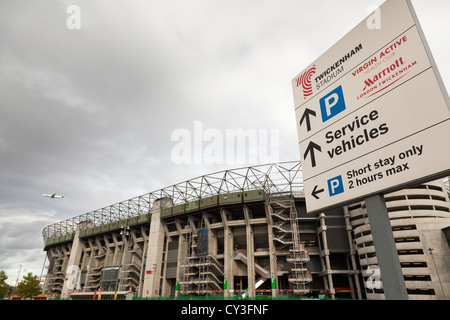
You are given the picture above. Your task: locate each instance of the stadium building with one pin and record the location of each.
(246, 233)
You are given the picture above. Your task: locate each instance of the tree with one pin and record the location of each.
(29, 286)
(4, 287)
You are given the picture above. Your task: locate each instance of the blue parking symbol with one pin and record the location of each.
(335, 186)
(332, 104)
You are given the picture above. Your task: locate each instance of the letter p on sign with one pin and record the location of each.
(335, 186)
(332, 104)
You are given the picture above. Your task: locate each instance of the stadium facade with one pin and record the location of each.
(246, 233)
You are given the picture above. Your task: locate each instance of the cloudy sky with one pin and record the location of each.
(91, 112)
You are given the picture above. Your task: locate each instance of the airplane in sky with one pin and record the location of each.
(53, 196)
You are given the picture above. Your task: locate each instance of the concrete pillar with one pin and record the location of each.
(353, 252)
(123, 257)
(116, 251)
(152, 274)
(272, 251)
(144, 250)
(250, 255)
(90, 266)
(394, 286)
(181, 256)
(73, 271)
(165, 290)
(228, 254)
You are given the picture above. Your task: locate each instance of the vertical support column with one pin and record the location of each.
(181, 255)
(352, 251)
(125, 233)
(73, 269)
(49, 276)
(228, 255)
(90, 265)
(272, 252)
(212, 240)
(326, 255)
(250, 255)
(117, 251)
(165, 288)
(84, 266)
(387, 256)
(152, 277)
(143, 263)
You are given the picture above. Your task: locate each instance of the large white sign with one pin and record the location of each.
(372, 112)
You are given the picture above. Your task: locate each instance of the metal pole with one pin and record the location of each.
(386, 250)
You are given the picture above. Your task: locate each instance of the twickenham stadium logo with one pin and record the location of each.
(305, 82)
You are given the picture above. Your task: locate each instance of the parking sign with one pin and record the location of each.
(372, 113)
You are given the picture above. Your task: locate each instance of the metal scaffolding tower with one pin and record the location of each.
(300, 276)
(203, 274)
(286, 233)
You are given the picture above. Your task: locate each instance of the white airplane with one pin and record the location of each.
(53, 196)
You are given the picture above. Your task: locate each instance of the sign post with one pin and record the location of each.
(391, 272)
(373, 117)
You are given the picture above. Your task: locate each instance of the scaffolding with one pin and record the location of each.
(300, 276)
(286, 232)
(131, 270)
(55, 278)
(202, 272)
(189, 272)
